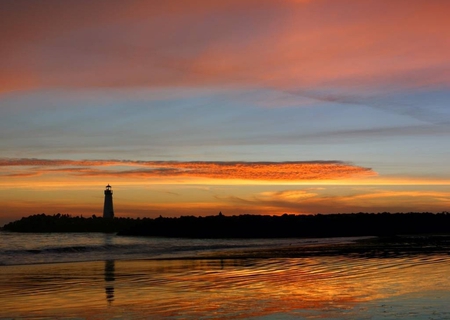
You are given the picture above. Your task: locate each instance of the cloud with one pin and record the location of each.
(289, 195)
(281, 44)
(269, 171)
(361, 199)
(8, 162)
(421, 104)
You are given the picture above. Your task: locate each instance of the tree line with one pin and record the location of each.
(245, 226)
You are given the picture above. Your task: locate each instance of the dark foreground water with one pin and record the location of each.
(97, 276)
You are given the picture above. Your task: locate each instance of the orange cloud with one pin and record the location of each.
(350, 199)
(270, 171)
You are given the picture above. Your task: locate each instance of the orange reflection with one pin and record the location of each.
(223, 288)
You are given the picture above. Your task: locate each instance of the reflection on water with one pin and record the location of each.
(109, 280)
(329, 287)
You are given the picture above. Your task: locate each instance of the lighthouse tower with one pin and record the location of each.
(108, 211)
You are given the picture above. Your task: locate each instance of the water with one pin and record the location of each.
(34, 248)
(96, 276)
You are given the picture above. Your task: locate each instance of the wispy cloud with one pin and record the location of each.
(270, 171)
(325, 200)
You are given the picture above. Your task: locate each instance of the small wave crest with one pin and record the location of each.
(70, 250)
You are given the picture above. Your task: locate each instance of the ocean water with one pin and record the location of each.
(36, 248)
(98, 276)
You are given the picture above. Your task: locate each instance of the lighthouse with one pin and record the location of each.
(108, 211)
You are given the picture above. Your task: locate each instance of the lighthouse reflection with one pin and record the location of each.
(109, 280)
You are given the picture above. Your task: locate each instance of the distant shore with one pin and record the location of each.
(245, 226)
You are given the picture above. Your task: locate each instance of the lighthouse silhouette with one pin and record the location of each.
(108, 211)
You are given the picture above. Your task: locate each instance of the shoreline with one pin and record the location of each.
(358, 247)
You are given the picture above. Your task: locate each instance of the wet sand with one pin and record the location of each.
(287, 286)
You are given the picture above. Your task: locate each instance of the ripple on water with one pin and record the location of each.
(343, 287)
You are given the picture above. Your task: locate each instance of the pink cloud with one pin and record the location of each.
(281, 44)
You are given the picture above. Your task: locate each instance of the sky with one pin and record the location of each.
(244, 107)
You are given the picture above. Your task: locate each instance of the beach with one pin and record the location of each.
(198, 285)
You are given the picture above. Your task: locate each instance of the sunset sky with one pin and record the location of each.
(191, 107)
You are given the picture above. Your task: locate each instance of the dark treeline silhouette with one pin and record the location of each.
(67, 223)
(263, 226)
(246, 226)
